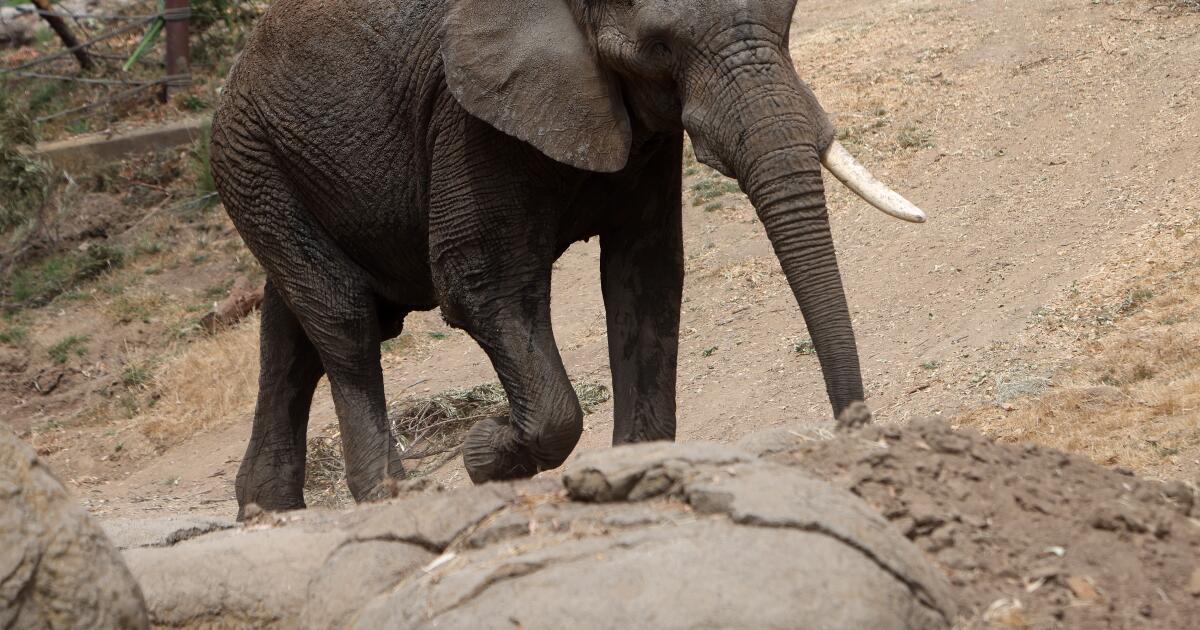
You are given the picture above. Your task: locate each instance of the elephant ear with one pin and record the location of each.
(526, 68)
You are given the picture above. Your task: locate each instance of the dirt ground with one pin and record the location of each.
(1029, 537)
(1053, 144)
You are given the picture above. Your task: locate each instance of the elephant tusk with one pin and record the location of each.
(857, 178)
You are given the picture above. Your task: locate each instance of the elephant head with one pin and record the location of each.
(578, 78)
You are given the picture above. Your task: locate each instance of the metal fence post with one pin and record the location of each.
(176, 17)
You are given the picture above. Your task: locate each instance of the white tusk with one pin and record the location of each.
(857, 178)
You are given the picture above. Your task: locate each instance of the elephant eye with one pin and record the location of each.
(659, 48)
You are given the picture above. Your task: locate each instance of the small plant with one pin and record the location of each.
(1135, 299)
(713, 207)
(146, 247)
(912, 138)
(1160, 450)
(13, 335)
(931, 365)
(707, 189)
(25, 183)
(202, 164)
(804, 346)
(218, 290)
(136, 375)
(38, 283)
(709, 352)
(439, 335)
(193, 103)
(79, 125)
(63, 350)
(1141, 372)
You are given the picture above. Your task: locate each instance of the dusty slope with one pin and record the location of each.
(1040, 135)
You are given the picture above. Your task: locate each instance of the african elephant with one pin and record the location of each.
(387, 156)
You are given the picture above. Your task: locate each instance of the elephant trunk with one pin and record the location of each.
(785, 186)
(771, 139)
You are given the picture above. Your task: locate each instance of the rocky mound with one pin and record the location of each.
(1027, 536)
(660, 535)
(57, 570)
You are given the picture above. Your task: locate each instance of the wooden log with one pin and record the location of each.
(243, 299)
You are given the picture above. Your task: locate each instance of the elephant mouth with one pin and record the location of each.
(859, 180)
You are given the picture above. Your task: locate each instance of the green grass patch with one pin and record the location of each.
(13, 335)
(73, 345)
(38, 283)
(136, 375)
(25, 183)
(201, 161)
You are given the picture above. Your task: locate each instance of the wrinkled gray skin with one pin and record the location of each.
(391, 156)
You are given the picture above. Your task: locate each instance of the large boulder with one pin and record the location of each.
(659, 535)
(57, 569)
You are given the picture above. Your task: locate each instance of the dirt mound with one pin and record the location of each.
(1028, 536)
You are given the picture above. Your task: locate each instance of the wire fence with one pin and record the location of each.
(111, 83)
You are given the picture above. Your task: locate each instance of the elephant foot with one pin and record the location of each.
(380, 481)
(269, 492)
(250, 510)
(492, 452)
(858, 414)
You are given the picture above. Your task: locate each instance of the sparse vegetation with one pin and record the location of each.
(13, 334)
(136, 375)
(804, 346)
(37, 283)
(707, 189)
(202, 164)
(25, 183)
(429, 429)
(436, 425)
(1131, 400)
(73, 345)
(911, 137)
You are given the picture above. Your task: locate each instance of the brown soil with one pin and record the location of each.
(1030, 537)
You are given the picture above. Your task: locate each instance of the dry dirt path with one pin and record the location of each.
(1040, 135)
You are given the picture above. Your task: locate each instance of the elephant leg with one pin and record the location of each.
(333, 302)
(272, 471)
(641, 264)
(341, 318)
(545, 421)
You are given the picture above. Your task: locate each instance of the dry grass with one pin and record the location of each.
(211, 383)
(429, 431)
(1133, 399)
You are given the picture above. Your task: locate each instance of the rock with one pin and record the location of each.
(781, 439)
(57, 569)
(654, 535)
(1082, 588)
(642, 470)
(16, 27)
(237, 576)
(704, 574)
(160, 532)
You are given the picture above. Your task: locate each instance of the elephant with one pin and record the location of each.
(380, 157)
